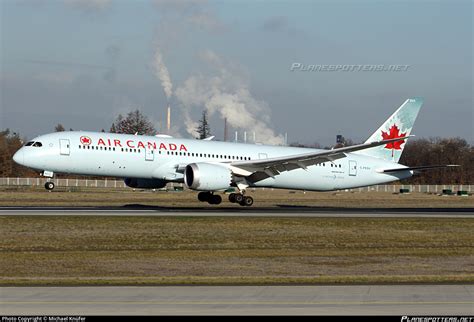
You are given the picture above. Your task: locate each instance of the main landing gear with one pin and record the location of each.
(241, 199)
(213, 199)
(210, 197)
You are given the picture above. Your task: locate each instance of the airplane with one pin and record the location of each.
(210, 167)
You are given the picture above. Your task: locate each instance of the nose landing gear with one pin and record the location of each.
(49, 185)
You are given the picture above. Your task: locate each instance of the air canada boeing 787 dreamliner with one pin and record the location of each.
(211, 166)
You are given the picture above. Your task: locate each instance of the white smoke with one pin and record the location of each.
(162, 73)
(228, 95)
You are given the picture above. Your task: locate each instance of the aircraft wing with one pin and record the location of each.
(256, 170)
(419, 168)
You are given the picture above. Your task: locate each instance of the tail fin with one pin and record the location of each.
(399, 124)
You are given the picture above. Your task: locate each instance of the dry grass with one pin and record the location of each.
(263, 198)
(37, 250)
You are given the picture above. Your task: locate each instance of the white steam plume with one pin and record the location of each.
(227, 94)
(162, 73)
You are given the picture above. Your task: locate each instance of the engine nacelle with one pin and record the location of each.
(145, 183)
(207, 177)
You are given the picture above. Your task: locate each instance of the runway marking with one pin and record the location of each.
(233, 303)
(222, 213)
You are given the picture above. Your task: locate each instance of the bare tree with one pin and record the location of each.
(59, 128)
(434, 151)
(134, 122)
(9, 144)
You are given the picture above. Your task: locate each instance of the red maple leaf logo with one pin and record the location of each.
(86, 140)
(394, 132)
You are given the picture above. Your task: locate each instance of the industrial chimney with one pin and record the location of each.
(168, 119)
(225, 129)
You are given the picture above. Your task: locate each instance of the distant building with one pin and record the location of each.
(340, 139)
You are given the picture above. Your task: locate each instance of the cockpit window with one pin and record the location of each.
(35, 144)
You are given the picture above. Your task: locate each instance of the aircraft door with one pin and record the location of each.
(64, 148)
(149, 154)
(262, 156)
(352, 168)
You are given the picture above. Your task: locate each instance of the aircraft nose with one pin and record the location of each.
(19, 156)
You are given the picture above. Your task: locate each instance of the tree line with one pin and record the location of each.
(438, 151)
(431, 151)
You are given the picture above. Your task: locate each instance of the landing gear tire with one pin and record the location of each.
(239, 198)
(232, 197)
(209, 197)
(246, 201)
(204, 196)
(49, 185)
(215, 200)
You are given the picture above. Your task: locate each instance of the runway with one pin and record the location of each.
(139, 210)
(240, 300)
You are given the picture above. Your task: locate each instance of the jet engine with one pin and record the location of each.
(207, 176)
(145, 183)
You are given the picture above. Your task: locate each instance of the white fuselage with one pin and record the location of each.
(164, 158)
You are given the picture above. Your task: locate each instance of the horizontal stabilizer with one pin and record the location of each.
(420, 168)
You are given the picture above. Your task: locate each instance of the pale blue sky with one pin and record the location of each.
(81, 62)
